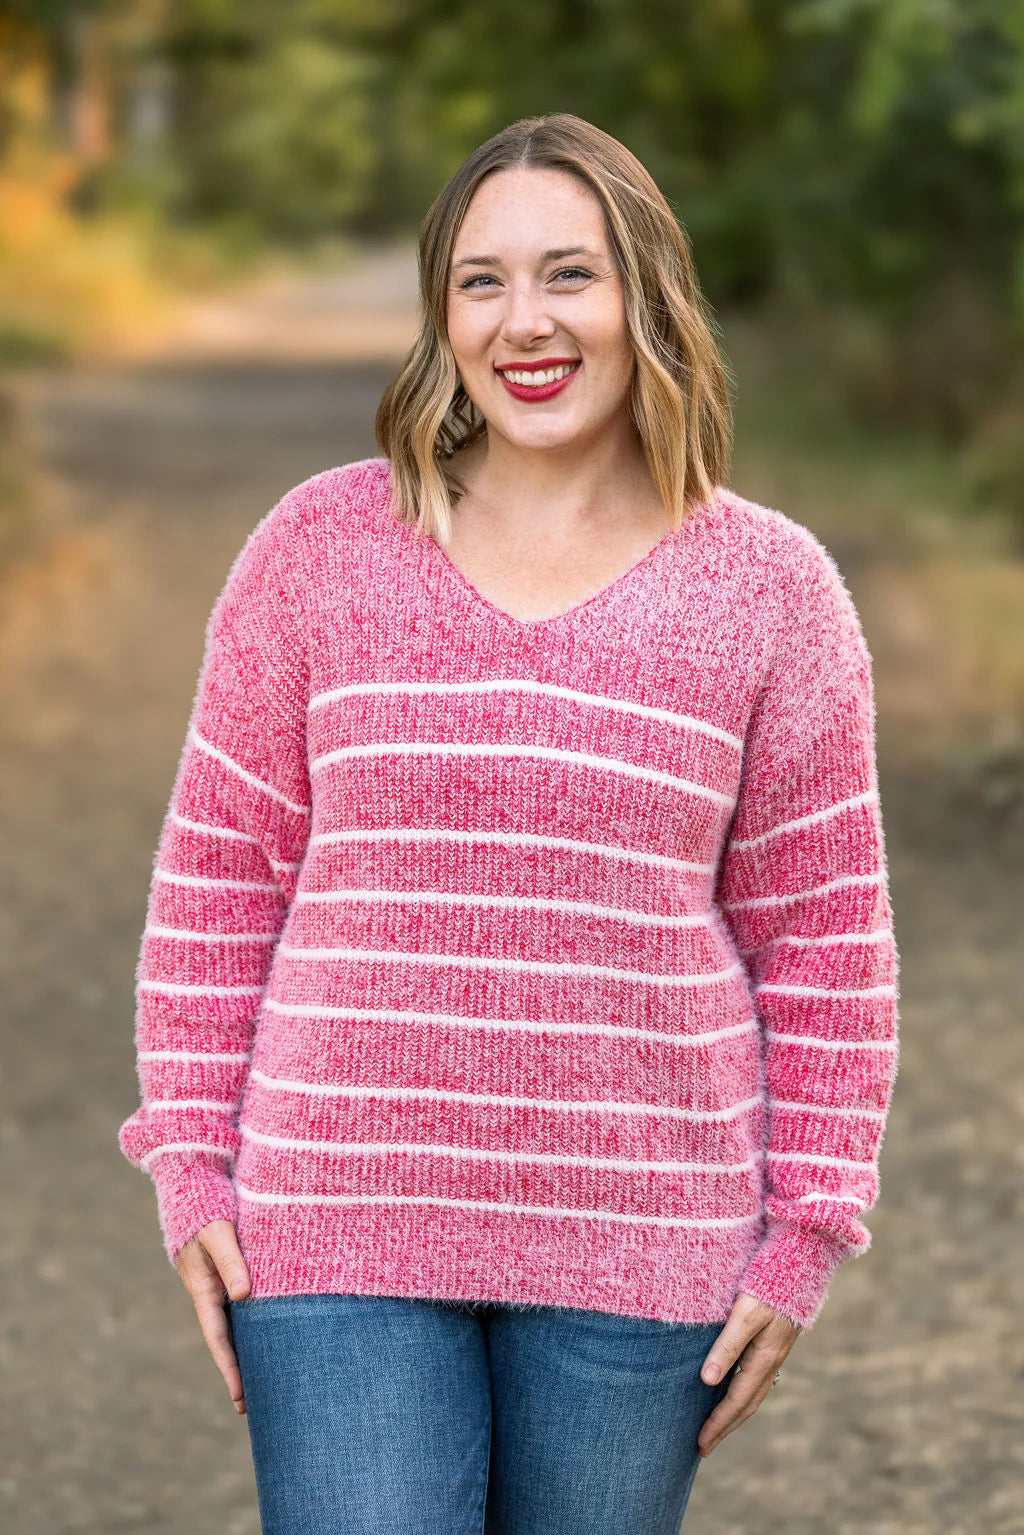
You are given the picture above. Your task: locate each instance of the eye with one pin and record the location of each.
(567, 272)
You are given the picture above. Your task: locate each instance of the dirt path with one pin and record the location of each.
(894, 1413)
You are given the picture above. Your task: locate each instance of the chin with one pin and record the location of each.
(539, 437)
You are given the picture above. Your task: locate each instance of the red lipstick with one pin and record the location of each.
(539, 365)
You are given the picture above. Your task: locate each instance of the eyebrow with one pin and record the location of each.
(551, 255)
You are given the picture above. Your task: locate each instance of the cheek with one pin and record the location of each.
(467, 333)
(614, 363)
(602, 332)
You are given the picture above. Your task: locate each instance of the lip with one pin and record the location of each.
(537, 365)
(540, 391)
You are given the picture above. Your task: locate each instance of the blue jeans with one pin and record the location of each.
(382, 1415)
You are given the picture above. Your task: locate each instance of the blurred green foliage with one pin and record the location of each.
(862, 159)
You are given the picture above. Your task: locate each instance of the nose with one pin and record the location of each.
(525, 315)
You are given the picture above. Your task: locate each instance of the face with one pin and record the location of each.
(533, 281)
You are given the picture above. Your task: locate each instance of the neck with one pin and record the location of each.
(577, 489)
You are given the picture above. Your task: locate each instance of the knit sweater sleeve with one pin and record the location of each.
(224, 875)
(803, 887)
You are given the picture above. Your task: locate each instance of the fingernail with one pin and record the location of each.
(712, 1374)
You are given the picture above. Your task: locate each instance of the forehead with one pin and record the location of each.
(528, 209)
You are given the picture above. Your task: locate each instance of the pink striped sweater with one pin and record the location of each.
(546, 962)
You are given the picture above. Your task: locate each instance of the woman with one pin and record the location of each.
(517, 1004)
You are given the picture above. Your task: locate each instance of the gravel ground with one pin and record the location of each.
(895, 1413)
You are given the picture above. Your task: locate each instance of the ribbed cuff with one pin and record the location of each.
(192, 1190)
(791, 1271)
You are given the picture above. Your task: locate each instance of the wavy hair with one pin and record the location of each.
(679, 394)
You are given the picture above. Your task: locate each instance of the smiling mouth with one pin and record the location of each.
(537, 378)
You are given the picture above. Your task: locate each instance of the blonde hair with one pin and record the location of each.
(679, 397)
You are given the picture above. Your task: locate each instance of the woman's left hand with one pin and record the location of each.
(760, 1339)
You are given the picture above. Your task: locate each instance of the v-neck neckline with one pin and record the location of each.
(461, 584)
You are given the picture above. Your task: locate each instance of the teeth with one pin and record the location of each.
(537, 379)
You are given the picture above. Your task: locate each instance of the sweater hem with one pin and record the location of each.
(516, 1259)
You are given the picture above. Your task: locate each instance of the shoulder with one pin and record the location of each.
(348, 493)
(769, 536)
(315, 519)
(793, 568)
(289, 547)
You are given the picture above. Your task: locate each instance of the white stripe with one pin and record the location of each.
(236, 767)
(813, 819)
(822, 1161)
(539, 967)
(172, 1146)
(500, 1100)
(231, 833)
(512, 903)
(838, 1199)
(216, 1104)
(513, 1158)
(529, 685)
(517, 1025)
(200, 991)
(507, 749)
(183, 932)
(193, 1055)
(825, 991)
(488, 1204)
(828, 1108)
(793, 938)
(831, 1044)
(803, 895)
(508, 839)
(214, 884)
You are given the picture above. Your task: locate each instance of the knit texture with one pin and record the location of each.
(544, 962)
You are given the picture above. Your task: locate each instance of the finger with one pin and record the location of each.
(213, 1320)
(740, 1402)
(780, 1326)
(781, 1335)
(752, 1382)
(728, 1346)
(220, 1241)
(743, 1387)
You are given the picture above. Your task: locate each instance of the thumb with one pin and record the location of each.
(221, 1243)
(728, 1346)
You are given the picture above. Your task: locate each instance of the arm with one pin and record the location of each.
(224, 876)
(803, 887)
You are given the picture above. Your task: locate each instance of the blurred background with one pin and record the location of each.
(208, 213)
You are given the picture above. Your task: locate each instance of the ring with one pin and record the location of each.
(775, 1381)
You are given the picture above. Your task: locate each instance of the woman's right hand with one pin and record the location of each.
(212, 1268)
